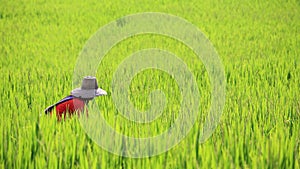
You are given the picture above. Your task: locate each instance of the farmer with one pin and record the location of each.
(79, 98)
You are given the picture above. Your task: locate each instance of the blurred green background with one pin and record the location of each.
(258, 42)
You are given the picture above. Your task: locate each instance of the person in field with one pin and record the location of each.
(78, 100)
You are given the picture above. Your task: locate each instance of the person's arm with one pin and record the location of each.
(50, 108)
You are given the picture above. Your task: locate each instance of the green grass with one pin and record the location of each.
(258, 43)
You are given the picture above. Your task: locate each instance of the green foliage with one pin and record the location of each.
(258, 42)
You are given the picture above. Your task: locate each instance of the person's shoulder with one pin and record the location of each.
(67, 98)
(77, 100)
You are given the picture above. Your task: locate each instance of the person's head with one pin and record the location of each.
(89, 89)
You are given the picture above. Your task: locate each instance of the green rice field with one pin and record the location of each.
(257, 41)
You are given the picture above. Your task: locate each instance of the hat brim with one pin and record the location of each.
(88, 94)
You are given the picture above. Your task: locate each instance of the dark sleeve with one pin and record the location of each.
(50, 108)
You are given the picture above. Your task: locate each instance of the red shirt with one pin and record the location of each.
(67, 107)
